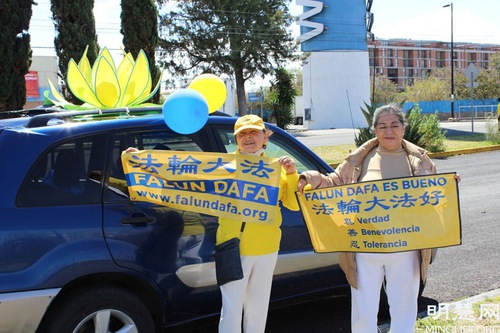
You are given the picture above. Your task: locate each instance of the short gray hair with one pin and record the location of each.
(392, 108)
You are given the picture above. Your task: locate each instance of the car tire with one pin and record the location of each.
(103, 309)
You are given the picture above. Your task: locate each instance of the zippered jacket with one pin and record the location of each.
(349, 171)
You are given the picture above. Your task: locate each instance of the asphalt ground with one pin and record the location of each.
(338, 136)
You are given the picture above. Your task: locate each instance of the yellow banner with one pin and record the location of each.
(390, 215)
(239, 187)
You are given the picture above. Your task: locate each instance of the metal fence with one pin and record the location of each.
(482, 108)
(479, 111)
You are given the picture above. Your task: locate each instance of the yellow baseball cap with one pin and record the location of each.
(248, 121)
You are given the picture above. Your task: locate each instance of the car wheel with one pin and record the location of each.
(101, 310)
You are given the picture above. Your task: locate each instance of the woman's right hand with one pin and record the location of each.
(303, 185)
(131, 150)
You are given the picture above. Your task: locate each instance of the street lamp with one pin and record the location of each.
(372, 36)
(452, 64)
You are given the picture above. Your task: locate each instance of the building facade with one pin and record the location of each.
(403, 60)
(43, 68)
(335, 83)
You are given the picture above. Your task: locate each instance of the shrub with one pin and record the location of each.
(492, 130)
(366, 133)
(424, 130)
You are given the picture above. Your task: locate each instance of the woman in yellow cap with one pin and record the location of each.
(247, 299)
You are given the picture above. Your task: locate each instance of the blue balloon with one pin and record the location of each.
(185, 111)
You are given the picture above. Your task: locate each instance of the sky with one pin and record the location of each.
(474, 21)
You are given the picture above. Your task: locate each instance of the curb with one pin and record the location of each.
(476, 298)
(464, 151)
(384, 328)
(451, 153)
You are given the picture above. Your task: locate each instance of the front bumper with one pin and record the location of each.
(22, 312)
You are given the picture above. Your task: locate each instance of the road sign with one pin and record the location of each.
(253, 97)
(471, 72)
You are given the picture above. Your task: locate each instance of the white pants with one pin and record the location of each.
(248, 297)
(402, 273)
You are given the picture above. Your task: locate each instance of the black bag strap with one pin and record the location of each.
(242, 228)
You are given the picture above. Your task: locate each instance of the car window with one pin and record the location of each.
(277, 146)
(145, 140)
(69, 173)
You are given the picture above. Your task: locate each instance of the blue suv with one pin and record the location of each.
(76, 255)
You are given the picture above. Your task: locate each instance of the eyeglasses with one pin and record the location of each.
(393, 128)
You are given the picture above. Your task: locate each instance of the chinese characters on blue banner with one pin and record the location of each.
(225, 185)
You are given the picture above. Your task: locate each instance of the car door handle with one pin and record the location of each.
(138, 220)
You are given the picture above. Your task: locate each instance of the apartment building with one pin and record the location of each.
(404, 61)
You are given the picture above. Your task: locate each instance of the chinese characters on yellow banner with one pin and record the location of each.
(390, 215)
(225, 185)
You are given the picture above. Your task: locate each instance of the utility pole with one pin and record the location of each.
(452, 65)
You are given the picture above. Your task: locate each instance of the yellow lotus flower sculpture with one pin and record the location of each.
(104, 86)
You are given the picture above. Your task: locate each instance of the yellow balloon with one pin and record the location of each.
(212, 88)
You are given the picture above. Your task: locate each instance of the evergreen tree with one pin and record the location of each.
(15, 52)
(244, 38)
(140, 31)
(283, 94)
(75, 25)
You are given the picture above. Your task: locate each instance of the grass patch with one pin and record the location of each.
(475, 140)
(334, 154)
(337, 154)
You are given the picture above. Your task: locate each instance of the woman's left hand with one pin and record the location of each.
(457, 177)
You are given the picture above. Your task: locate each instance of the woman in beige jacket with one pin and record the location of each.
(386, 156)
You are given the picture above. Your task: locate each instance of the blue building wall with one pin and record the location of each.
(344, 26)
